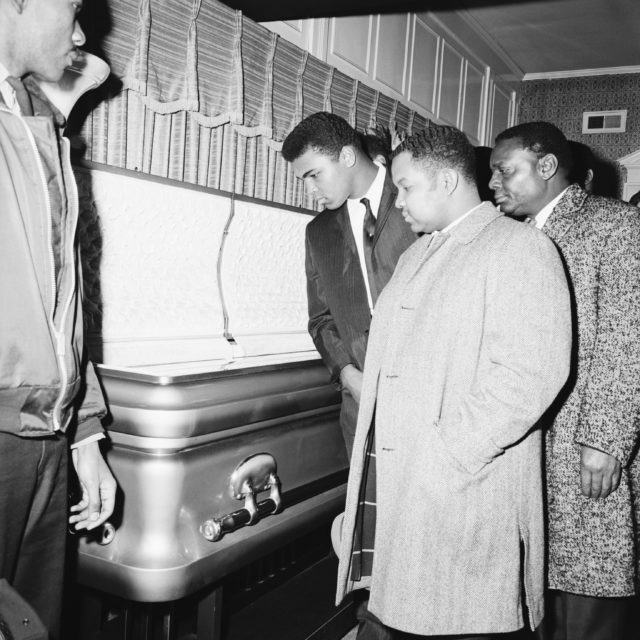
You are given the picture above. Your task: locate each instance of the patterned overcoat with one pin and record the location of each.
(470, 343)
(591, 542)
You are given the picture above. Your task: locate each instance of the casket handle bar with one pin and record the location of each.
(103, 535)
(108, 533)
(253, 475)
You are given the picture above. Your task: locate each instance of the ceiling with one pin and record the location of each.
(539, 36)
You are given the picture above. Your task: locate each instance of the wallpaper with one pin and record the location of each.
(563, 101)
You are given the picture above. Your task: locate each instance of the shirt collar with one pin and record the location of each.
(41, 104)
(374, 193)
(4, 74)
(457, 220)
(7, 93)
(543, 215)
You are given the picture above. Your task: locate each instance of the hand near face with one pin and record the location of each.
(599, 473)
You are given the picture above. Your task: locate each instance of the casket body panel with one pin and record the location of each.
(175, 442)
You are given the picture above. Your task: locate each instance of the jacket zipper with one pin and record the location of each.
(72, 218)
(58, 335)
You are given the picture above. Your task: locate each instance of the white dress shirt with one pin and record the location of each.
(8, 94)
(356, 217)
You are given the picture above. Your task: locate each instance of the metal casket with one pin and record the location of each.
(176, 439)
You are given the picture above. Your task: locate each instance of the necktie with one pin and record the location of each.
(22, 96)
(368, 231)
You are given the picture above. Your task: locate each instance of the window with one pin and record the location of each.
(604, 121)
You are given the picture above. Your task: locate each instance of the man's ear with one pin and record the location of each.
(547, 166)
(347, 156)
(450, 179)
(588, 181)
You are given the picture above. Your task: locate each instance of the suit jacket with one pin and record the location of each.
(339, 315)
(591, 542)
(469, 344)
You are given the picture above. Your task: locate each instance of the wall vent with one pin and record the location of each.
(604, 121)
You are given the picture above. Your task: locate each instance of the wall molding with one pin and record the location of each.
(469, 36)
(577, 73)
(630, 159)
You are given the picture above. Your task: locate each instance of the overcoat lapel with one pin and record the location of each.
(431, 244)
(466, 231)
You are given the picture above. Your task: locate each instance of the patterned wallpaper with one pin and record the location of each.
(562, 101)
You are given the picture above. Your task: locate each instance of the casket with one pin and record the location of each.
(224, 434)
(187, 449)
(176, 440)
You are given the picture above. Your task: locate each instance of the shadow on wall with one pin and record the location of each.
(594, 173)
(96, 22)
(483, 172)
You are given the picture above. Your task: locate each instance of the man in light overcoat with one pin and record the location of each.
(592, 466)
(470, 343)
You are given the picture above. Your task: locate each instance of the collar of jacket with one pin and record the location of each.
(464, 232)
(564, 213)
(471, 227)
(41, 104)
(387, 203)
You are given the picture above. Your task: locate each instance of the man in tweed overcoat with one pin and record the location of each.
(470, 343)
(593, 472)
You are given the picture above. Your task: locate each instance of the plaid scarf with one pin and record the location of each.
(365, 527)
(5, 632)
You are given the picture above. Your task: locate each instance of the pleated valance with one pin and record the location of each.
(208, 95)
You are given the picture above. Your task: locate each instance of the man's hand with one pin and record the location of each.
(599, 473)
(98, 488)
(351, 379)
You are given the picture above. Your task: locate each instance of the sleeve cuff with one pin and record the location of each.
(597, 434)
(94, 438)
(341, 362)
(88, 428)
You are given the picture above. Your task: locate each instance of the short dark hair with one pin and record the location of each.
(541, 138)
(583, 160)
(441, 146)
(323, 132)
(483, 172)
(375, 145)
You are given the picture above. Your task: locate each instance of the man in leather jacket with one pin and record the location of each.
(49, 394)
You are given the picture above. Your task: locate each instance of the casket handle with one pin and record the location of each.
(253, 475)
(103, 535)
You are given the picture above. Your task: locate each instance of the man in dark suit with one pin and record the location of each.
(592, 462)
(352, 247)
